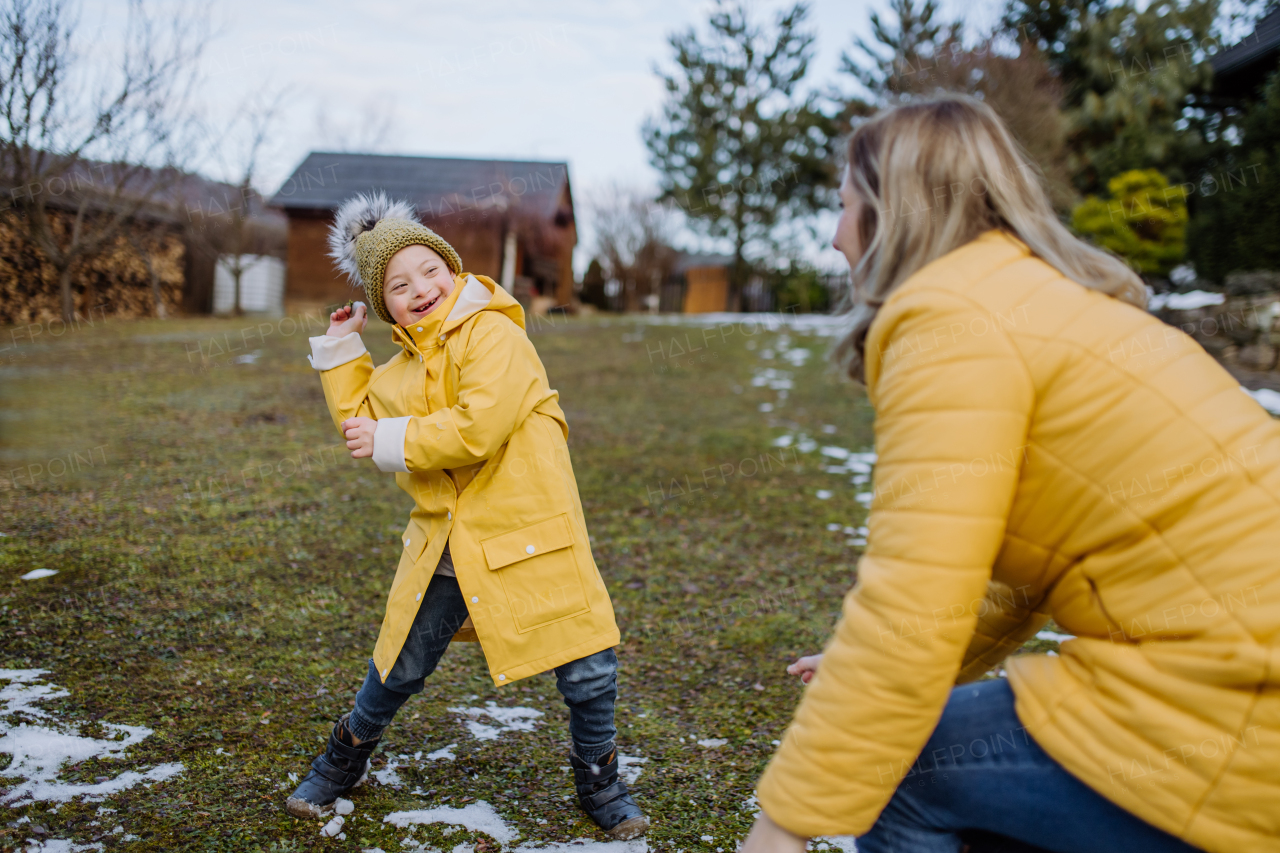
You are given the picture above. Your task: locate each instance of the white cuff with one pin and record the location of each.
(329, 352)
(388, 445)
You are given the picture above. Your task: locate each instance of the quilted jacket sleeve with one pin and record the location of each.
(1006, 620)
(944, 397)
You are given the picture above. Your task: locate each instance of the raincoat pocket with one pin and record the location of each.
(414, 540)
(539, 570)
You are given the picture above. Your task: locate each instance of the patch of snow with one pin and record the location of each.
(1182, 275)
(783, 441)
(824, 494)
(635, 845)
(833, 526)
(388, 775)
(806, 445)
(1184, 301)
(478, 817)
(343, 807)
(1056, 637)
(712, 742)
(835, 452)
(864, 498)
(40, 752)
(843, 843)
(507, 719)
(333, 827)
(18, 697)
(1268, 399)
(443, 752)
(708, 838)
(796, 357)
(766, 407)
(58, 845)
(629, 767)
(36, 574)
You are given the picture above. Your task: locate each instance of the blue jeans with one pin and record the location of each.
(981, 780)
(589, 685)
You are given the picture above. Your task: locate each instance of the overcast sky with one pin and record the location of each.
(568, 80)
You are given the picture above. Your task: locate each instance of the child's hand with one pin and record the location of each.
(805, 667)
(359, 435)
(347, 319)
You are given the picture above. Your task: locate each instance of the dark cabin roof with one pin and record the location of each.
(157, 195)
(434, 185)
(1240, 69)
(686, 261)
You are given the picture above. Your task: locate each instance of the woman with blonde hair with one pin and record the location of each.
(1047, 449)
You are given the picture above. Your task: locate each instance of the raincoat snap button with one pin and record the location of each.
(384, 673)
(442, 337)
(419, 328)
(502, 678)
(406, 543)
(528, 549)
(450, 514)
(475, 600)
(419, 596)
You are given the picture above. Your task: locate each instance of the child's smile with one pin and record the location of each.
(416, 282)
(427, 307)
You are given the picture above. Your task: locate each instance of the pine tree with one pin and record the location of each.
(1135, 81)
(740, 148)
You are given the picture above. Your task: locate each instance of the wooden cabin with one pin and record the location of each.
(512, 220)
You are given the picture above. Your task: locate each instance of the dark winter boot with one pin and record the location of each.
(603, 796)
(341, 767)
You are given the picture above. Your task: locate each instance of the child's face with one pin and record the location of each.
(417, 280)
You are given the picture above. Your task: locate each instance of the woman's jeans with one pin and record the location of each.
(589, 685)
(981, 780)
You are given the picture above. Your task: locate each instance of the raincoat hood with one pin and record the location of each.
(471, 294)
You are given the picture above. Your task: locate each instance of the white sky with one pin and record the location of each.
(564, 80)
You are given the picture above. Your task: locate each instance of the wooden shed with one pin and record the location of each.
(512, 220)
(698, 284)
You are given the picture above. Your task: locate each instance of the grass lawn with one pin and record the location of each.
(222, 566)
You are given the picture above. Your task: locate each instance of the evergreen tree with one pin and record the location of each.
(904, 54)
(1237, 205)
(1144, 221)
(740, 148)
(1135, 82)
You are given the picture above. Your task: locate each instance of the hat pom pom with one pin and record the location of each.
(356, 216)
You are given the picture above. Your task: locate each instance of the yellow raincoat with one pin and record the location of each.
(472, 429)
(1046, 450)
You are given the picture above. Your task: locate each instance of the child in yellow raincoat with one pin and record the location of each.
(496, 547)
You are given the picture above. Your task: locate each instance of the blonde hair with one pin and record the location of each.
(931, 177)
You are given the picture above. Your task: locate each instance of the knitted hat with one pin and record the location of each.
(367, 231)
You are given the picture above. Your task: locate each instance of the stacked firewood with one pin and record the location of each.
(116, 281)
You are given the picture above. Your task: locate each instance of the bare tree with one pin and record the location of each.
(239, 147)
(374, 131)
(84, 143)
(633, 237)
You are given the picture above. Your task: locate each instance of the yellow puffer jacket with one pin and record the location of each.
(1046, 450)
(472, 430)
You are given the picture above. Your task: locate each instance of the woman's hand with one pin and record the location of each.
(359, 435)
(805, 667)
(346, 320)
(767, 837)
